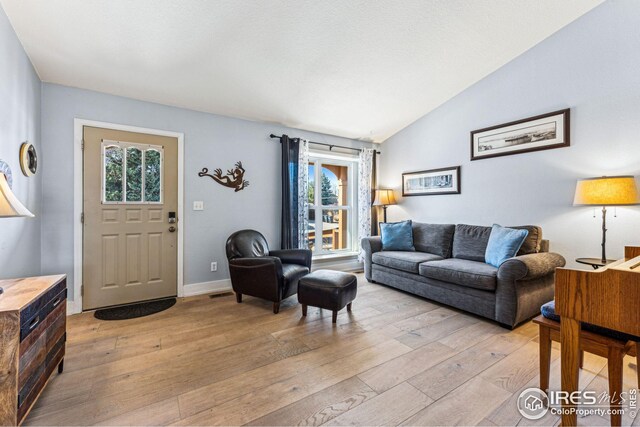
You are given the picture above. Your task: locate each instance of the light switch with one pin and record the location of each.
(198, 205)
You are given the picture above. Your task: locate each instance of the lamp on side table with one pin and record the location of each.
(384, 198)
(606, 191)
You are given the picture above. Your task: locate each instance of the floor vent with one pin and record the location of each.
(224, 294)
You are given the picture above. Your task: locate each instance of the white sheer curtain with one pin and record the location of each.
(364, 196)
(303, 194)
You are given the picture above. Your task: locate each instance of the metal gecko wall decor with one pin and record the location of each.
(233, 179)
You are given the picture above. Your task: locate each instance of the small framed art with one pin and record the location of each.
(431, 182)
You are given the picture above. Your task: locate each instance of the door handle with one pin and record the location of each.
(172, 229)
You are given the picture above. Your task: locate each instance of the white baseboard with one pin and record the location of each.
(193, 289)
(73, 308)
(348, 265)
(224, 285)
(215, 286)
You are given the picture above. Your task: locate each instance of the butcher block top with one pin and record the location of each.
(18, 293)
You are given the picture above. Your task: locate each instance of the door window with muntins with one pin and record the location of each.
(131, 173)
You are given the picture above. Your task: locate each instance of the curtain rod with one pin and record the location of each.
(331, 146)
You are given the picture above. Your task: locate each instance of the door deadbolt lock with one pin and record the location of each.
(172, 229)
(172, 218)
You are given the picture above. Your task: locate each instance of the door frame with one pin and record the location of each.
(75, 306)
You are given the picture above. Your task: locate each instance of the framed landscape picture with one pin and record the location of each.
(542, 132)
(431, 182)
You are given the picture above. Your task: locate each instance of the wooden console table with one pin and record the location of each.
(608, 297)
(33, 319)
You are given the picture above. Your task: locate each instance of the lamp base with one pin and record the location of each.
(603, 258)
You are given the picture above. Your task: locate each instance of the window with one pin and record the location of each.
(332, 204)
(112, 159)
(133, 166)
(131, 173)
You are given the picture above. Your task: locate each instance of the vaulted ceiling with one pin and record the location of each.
(360, 69)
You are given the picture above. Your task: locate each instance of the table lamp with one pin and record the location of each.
(384, 198)
(10, 206)
(606, 191)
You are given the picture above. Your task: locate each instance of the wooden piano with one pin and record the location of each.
(607, 297)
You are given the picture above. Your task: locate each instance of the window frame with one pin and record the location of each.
(122, 145)
(318, 158)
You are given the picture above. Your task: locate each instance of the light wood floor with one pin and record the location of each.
(396, 359)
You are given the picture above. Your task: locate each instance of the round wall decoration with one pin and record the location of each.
(28, 159)
(6, 170)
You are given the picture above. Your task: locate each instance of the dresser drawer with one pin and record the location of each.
(30, 311)
(38, 344)
(32, 359)
(29, 391)
(40, 309)
(58, 312)
(41, 350)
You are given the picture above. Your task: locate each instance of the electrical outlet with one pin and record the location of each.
(214, 266)
(198, 205)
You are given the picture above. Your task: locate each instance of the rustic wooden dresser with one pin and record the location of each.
(33, 326)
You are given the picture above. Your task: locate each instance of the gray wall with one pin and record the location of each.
(592, 66)
(19, 122)
(210, 141)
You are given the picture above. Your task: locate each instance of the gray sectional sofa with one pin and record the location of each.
(448, 266)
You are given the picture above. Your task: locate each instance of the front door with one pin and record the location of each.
(130, 244)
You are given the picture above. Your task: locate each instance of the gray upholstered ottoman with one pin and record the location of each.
(327, 289)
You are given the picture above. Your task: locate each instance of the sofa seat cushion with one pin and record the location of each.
(473, 274)
(403, 260)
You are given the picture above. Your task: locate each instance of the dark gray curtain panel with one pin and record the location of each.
(289, 219)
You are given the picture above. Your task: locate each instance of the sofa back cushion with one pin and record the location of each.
(435, 239)
(470, 242)
(532, 244)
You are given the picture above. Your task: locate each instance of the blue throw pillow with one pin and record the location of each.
(397, 236)
(503, 244)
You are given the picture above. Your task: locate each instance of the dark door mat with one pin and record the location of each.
(134, 310)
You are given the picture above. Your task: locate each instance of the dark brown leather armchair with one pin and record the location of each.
(259, 272)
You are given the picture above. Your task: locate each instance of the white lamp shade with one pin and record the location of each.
(10, 206)
(384, 197)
